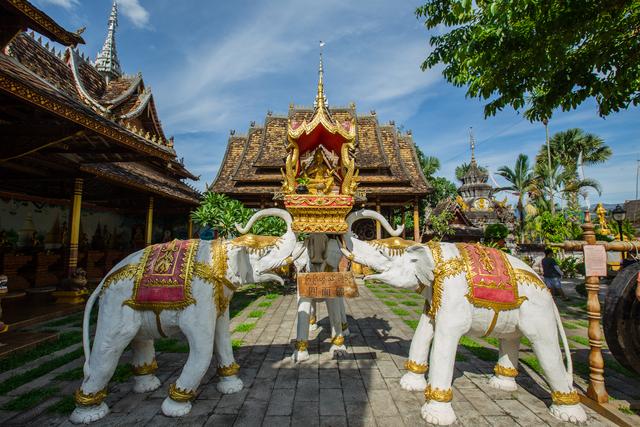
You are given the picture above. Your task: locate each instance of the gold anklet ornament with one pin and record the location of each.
(338, 340)
(437, 394)
(228, 371)
(570, 398)
(180, 395)
(302, 345)
(415, 367)
(90, 399)
(312, 320)
(146, 369)
(505, 371)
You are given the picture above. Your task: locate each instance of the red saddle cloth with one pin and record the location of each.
(491, 280)
(163, 279)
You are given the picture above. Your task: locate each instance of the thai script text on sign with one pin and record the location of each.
(595, 260)
(327, 285)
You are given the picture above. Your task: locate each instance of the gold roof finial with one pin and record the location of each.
(321, 99)
(472, 141)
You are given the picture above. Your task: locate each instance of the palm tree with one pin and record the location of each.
(521, 180)
(462, 170)
(558, 180)
(429, 164)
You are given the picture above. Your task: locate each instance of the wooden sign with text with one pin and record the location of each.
(595, 260)
(327, 285)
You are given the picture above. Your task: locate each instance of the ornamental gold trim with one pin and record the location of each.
(180, 395)
(437, 394)
(216, 275)
(394, 246)
(415, 367)
(256, 243)
(529, 278)
(302, 345)
(337, 340)
(146, 368)
(228, 371)
(126, 272)
(67, 38)
(90, 399)
(312, 320)
(442, 271)
(569, 398)
(505, 371)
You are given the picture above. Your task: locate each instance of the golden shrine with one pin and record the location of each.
(320, 177)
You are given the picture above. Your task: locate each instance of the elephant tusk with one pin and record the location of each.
(348, 254)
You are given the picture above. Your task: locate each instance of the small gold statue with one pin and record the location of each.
(602, 220)
(320, 175)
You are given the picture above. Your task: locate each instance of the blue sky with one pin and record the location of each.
(216, 66)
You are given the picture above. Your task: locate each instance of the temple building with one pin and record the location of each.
(389, 177)
(86, 171)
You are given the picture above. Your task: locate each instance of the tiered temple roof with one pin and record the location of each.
(108, 120)
(387, 159)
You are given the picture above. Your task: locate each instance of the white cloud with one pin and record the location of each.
(67, 4)
(132, 9)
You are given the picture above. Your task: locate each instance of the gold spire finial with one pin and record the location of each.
(321, 99)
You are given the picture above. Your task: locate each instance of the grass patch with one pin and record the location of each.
(478, 350)
(236, 344)
(525, 341)
(16, 381)
(66, 320)
(390, 303)
(18, 359)
(271, 296)
(627, 410)
(412, 323)
(415, 296)
(30, 399)
(123, 373)
(533, 363)
(72, 375)
(171, 345)
(493, 341)
(400, 311)
(581, 368)
(381, 295)
(579, 339)
(410, 303)
(612, 363)
(256, 314)
(460, 357)
(581, 322)
(64, 406)
(244, 327)
(569, 325)
(417, 312)
(264, 304)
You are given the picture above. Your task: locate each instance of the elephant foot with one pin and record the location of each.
(413, 382)
(338, 351)
(313, 327)
(88, 414)
(171, 408)
(503, 383)
(300, 356)
(571, 413)
(145, 383)
(438, 413)
(229, 385)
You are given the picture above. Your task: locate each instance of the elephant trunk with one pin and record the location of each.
(353, 217)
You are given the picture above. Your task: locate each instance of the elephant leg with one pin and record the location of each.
(198, 325)
(343, 317)
(227, 367)
(438, 393)
(338, 347)
(506, 370)
(144, 366)
(565, 404)
(302, 332)
(313, 316)
(417, 365)
(117, 326)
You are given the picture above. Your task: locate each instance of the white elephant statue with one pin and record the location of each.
(180, 286)
(319, 253)
(461, 300)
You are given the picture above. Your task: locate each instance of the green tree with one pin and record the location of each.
(441, 189)
(556, 180)
(440, 224)
(520, 179)
(541, 55)
(566, 147)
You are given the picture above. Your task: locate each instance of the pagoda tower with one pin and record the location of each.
(107, 62)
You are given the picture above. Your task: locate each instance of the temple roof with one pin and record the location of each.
(386, 157)
(107, 62)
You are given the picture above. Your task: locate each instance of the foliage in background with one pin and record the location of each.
(628, 229)
(462, 170)
(538, 55)
(520, 180)
(554, 227)
(569, 266)
(222, 213)
(495, 232)
(440, 225)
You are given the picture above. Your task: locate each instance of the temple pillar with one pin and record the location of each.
(74, 232)
(378, 226)
(190, 228)
(416, 220)
(149, 233)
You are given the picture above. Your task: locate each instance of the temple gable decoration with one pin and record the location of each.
(320, 177)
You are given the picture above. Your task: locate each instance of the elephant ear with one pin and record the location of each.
(422, 262)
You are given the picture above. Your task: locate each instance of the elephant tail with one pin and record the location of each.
(565, 344)
(86, 343)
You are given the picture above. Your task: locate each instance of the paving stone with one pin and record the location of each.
(331, 404)
(382, 403)
(308, 390)
(251, 414)
(281, 402)
(333, 421)
(329, 378)
(217, 420)
(230, 404)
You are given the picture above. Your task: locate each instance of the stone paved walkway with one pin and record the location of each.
(360, 390)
